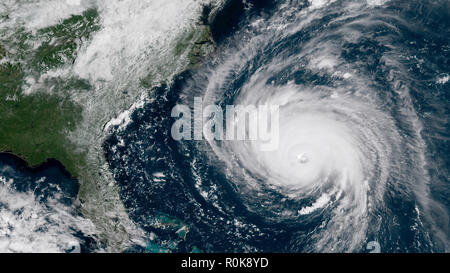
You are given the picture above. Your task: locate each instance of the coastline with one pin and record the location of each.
(24, 165)
(99, 199)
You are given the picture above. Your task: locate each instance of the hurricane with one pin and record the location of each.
(362, 96)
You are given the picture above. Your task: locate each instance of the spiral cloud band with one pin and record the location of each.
(353, 169)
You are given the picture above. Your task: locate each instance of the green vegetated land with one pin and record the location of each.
(35, 126)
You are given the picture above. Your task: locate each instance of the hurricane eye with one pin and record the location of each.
(302, 158)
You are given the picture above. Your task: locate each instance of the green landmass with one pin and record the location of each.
(35, 126)
(62, 41)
